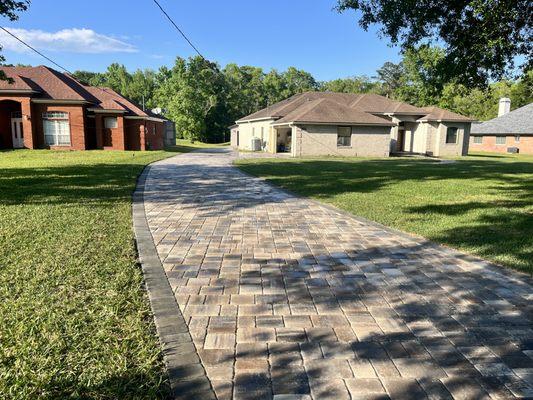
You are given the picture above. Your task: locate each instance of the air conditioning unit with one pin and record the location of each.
(515, 150)
(256, 144)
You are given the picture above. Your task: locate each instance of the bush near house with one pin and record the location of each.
(481, 204)
(75, 321)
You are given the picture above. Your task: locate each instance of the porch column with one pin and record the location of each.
(27, 124)
(98, 121)
(120, 136)
(273, 142)
(142, 135)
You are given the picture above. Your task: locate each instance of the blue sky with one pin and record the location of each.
(306, 34)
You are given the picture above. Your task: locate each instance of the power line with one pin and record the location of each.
(48, 58)
(179, 30)
(35, 50)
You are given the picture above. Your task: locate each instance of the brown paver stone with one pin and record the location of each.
(290, 298)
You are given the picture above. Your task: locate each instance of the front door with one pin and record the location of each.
(400, 141)
(17, 133)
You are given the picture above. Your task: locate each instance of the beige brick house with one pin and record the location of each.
(342, 124)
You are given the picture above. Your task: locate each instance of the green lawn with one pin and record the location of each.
(481, 204)
(74, 318)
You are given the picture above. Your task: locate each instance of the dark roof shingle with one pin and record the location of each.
(519, 121)
(338, 105)
(54, 85)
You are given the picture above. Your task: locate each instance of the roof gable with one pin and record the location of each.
(440, 114)
(324, 110)
(369, 103)
(54, 85)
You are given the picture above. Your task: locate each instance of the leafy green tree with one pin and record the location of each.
(141, 87)
(245, 92)
(192, 97)
(118, 78)
(274, 87)
(423, 79)
(482, 38)
(297, 81)
(356, 84)
(483, 103)
(522, 91)
(90, 78)
(390, 76)
(10, 9)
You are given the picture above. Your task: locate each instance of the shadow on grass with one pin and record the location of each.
(69, 185)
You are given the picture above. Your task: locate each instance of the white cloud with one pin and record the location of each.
(73, 40)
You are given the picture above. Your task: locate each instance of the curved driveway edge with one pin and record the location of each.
(186, 374)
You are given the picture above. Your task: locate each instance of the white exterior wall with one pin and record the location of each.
(233, 137)
(247, 130)
(317, 140)
(420, 138)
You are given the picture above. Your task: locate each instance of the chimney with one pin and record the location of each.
(504, 106)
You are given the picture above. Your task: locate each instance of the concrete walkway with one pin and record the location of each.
(284, 296)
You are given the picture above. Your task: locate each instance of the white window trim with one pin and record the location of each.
(115, 119)
(480, 139)
(504, 140)
(55, 119)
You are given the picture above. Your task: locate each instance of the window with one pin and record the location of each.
(478, 139)
(56, 128)
(344, 136)
(253, 132)
(451, 135)
(110, 122)
(517, 138)
(500, 139)
(262, 133)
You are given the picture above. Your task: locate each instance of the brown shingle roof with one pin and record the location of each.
(15, 83)
(50, 83)
(54, 85)
(375, 103)
(325, 110)
(366, 104)
(440, 114)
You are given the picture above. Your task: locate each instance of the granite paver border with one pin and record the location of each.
(187, 376)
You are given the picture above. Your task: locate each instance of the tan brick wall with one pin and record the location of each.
(525, 144)
(443, 149)
(367, 141)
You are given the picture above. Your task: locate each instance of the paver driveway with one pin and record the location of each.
(285, 296)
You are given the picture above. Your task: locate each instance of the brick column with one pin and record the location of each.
(27, 123)
(119, 138)
(98, 122)
(142, 135)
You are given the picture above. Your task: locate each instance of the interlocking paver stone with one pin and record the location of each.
(283, 296)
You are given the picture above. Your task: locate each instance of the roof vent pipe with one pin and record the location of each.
(504, 106)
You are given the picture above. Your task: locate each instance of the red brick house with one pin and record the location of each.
(43, 108)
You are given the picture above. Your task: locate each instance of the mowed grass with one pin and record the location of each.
(481, 204)
(74, 319)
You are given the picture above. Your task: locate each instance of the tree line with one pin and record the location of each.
(204, 99)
